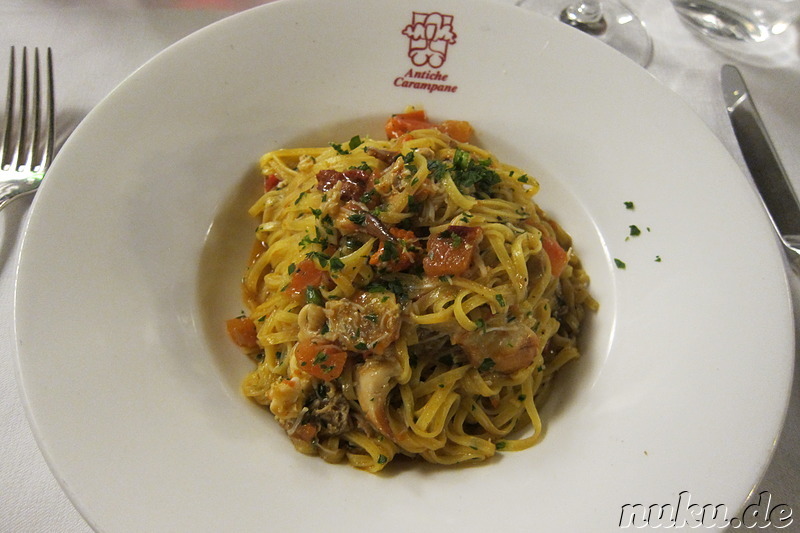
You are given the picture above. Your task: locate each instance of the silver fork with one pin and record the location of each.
(24, 155)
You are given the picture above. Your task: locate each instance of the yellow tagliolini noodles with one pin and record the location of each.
(406, 297)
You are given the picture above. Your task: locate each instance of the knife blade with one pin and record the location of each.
(762, 161)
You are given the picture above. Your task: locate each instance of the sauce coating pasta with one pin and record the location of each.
(406, 297)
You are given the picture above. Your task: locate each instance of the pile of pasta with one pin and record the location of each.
(406, 298)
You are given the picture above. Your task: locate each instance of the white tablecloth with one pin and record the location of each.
(96, 44)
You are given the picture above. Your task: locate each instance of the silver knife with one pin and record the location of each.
(765, 168)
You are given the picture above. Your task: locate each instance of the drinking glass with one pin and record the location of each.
(739, 20)
(611, 21)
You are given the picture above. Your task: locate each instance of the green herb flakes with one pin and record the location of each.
(336, 264)
(354, 142)
(339, 149)
(357, 218)
(313, 296)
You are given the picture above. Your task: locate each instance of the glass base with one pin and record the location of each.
(717, 21)
(610, 21)
(619, 28)
(746, 39)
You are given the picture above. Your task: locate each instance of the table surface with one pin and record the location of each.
(97, 44)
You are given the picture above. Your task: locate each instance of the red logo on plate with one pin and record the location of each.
(429, 35)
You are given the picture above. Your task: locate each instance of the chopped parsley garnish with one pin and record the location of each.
(339, 149)
(382, 459)
(467, 173)
(372, 317)
(629, 205)
(500, 300)
(321, 357)
(635, 231)
(313, 296)
(408, 161)
(367, 196)
(389, 251)
(658, 259)
(461, 159)
(437, 169)
(620, 264)
(321, 258)
(292, 267)
(500, 445)
(336, 264)
(319, 238)
(470, 173)
(357, 218)
(354, 142)
(388, 285)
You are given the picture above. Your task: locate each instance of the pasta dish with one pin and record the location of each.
(406, 298)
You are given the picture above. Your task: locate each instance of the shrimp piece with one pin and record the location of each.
(374, 381)
(505, 349)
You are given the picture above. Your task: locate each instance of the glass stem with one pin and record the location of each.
(587, 12)
(587, 16)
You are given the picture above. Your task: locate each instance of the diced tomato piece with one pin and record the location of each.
(402, 123)
(402, 255)
(270, 182)
(305, 432)
(450, 252)
(556, 254)
(460, 130)
(242, 331)
(354, 182)
(306, 273)
(323, 361)
(404, 234)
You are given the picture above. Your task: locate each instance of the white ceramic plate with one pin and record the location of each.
(138, 238)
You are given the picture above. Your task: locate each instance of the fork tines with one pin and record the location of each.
(28, 141)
